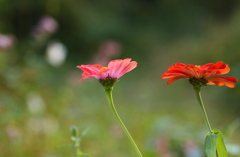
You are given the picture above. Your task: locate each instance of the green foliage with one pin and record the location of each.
(214, 144)
(211, 144)
(221, 148)
(77, 139)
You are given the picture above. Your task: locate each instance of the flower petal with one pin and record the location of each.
(226, 83)
(205, 66)
(232, 79)
(165, 76)
(216, 65)
(221, 81)
(173, 79)
(90, 68)
(119, 67)
(92, 71)
(178, 70)
(225, 70)
(128, 68)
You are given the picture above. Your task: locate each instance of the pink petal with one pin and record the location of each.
(90, 68)
(128, 68)
(92, 71)
(119, 67)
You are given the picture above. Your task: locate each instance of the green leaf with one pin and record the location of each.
(74, 131)
(221, 148)
(83, 134)
(214, 144)
(211, 144)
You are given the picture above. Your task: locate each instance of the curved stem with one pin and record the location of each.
(110, 101)
(199, 98)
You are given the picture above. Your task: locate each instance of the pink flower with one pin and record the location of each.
(6, 41)
(116, 69)
(46, 26)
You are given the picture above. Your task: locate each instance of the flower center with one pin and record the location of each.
(198, 82)
(197, 66)
(108, 82)
(103, 68)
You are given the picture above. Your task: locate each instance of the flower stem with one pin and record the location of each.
(110, 101)
(199, 98)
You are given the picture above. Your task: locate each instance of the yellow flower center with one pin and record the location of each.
(197, 66)
(103, 68)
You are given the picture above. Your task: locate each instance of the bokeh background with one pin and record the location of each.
(42, 42)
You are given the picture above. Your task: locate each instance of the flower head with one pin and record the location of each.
(108, 75)
(200, 75)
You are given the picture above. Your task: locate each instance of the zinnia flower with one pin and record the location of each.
(200, 75)
(107, 76)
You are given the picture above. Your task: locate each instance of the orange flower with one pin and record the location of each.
(200, 75)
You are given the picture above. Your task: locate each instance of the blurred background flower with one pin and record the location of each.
(56, 53)
(40, 97)
(46, 25)
(107, 50)
(6, 41)
(35, 103)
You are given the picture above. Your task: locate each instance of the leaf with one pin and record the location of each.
(214, 144)
(221, 148)
(83, 134)
(74, 131)
(210, 145)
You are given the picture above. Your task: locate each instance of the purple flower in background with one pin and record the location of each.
(46, 25)
(6, 41)
(107, 50)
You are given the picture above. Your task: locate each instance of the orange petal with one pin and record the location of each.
(220, 82)
(225, 70)
(205, 66)
(173, 79)
(210, 82)
(232, 79)
(216, 65)
(165, 76)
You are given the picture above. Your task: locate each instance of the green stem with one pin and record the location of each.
(199, 98)
(78, 152)
(110, 101)
(77, 148)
